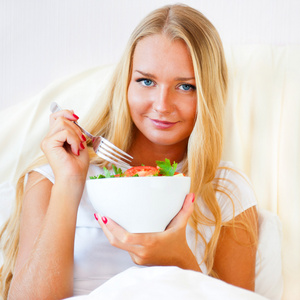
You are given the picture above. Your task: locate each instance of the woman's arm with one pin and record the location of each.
(236, 253)
(44, 266)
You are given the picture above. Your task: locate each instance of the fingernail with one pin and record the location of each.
(82, 146)
(104, 220)
(193, 198)
(75, 116)
(78, 152)
(83, 138)
(96, 217)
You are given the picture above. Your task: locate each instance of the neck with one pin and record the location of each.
(145, 152)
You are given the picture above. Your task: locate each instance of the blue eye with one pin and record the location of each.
(146, 82)
(187, 87)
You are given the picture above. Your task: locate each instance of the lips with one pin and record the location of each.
(162, 124)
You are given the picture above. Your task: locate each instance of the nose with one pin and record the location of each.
(163, 102)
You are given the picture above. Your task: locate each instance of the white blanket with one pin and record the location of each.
(172, 283)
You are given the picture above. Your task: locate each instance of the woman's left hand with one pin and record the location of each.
(167, 248)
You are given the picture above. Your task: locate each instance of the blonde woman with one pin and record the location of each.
(165, 100)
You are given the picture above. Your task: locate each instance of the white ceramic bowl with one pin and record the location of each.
(139, 204)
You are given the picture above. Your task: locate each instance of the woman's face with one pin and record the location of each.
(162, 92)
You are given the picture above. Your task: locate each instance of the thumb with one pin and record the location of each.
(181, 219)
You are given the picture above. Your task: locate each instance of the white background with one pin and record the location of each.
(45, 40)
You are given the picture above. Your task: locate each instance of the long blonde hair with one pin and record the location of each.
(112, 120)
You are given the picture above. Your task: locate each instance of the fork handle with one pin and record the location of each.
(54, 107)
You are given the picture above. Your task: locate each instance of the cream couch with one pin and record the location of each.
(263, 138)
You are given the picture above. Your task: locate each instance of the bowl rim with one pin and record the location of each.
(139, 178)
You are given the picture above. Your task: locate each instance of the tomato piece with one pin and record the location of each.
(178, 173)
(142, 171)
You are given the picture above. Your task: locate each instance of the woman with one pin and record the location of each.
(165, 100)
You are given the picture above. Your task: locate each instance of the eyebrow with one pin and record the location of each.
(154, 77)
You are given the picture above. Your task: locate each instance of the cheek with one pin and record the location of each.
(132, 100)
(136, 101)
(131, 96)
(190, 112)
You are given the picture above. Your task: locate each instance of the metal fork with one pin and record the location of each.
(102, 147)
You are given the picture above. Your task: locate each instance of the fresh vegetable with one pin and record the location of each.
(163, 168)
(142, 171)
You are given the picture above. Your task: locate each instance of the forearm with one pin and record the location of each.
(48, 272)
(188, 262)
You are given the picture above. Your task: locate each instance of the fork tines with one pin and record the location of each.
(113, 154)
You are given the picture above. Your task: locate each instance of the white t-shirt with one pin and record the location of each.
(96, 261)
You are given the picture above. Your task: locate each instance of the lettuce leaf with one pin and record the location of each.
(165, 167)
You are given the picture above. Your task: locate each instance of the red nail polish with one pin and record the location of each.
(193, 198)
(104, 220)
(83, 138)
(75, 116)
(81, 146)
(95, 215)
(78, 152)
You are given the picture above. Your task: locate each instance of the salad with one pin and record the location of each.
(163, 168)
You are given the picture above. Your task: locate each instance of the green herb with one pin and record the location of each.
(165, 167)
(106, 174)
(97, 177)
(117, 171)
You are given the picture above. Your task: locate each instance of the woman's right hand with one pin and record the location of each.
(65, 147)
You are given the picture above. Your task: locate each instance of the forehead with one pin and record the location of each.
(159, 53)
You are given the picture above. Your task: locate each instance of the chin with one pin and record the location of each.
(166, 140)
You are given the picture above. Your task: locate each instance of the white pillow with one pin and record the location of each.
(24, 126)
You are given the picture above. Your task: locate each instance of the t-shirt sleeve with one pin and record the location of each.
(235, 193)
(46, 171)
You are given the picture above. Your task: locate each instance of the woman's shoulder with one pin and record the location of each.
(234, 190)
(228, 173)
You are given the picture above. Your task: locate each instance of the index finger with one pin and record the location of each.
(68, 114)
(120, 237)
(115, 233)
